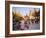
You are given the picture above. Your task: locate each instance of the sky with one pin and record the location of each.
(23, 10)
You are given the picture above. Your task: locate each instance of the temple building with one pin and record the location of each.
(31, 15)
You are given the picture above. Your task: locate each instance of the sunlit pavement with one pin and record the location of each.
(35, 26)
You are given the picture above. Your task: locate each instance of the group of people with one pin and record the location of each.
(24, 25)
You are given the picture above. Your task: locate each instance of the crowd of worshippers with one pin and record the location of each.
(23, 25)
